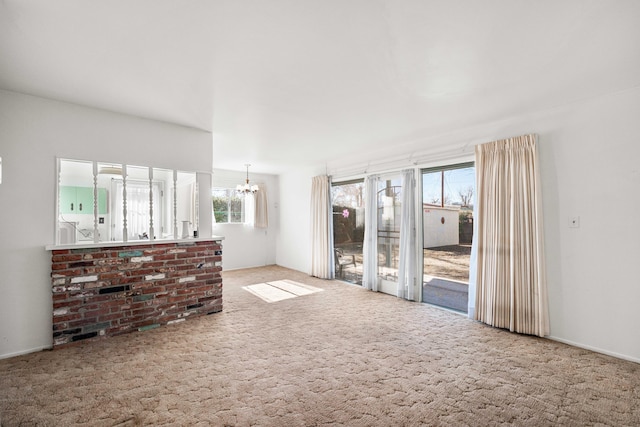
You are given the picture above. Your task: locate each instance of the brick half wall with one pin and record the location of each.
(102, 292)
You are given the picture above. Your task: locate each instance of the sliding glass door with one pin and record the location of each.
(447, 205)
(447, 215)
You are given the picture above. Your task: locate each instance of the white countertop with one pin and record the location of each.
(86, 245)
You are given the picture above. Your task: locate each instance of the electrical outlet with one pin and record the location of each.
(574, 222)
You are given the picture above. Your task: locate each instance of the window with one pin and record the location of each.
(99, 202)
(228, 206)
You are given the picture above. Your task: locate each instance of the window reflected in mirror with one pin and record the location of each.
(187, 203)
(164, 224)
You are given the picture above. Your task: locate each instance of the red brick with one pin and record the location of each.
(175, 262)
(184, 255)
(96, 255)
(152, 290)
(69, 317)
(111, 275)
(144, 311)
(97, 298)
(170, 300)
(154, 251)
(140, 271)
(138, 305)
(166, 257)
(62, 296)
(66, 258)
(153, 265)
(127, 279)
(60, 326)
(69, 304)
(109, 317)
(70, 272)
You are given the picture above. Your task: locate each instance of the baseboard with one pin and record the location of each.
(596, 349)
(23, 352)
(247, 267)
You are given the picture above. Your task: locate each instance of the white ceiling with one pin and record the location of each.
(285, 82)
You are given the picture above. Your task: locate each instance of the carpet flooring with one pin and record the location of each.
(344, 356)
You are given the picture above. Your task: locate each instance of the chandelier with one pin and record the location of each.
(246, 188)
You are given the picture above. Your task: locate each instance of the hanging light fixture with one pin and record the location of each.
(110, 170)
(246, 188)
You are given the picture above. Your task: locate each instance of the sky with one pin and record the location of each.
(455, 182)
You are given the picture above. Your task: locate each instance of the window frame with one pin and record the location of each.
(230, 193)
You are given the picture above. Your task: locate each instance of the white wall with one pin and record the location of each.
(294, 240)
(33, 132)
(245, 246)
(589, 162)
(589, 158)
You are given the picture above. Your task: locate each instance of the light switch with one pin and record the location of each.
(574, 222)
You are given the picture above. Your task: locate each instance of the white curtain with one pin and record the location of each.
(473, 264)
(370, 246)
(193, 204)
(249, 209)
(407, 261)
(322, 259)
(511, 285)
(261, 215)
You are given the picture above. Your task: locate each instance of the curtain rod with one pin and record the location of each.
(461, 152)
(420, 161)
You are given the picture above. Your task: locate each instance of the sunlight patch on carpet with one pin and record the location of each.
(279, 290)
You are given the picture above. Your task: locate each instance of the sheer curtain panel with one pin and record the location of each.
(370, 245)
(249, 201)
(261, 216)
(407, 263)
(322, 259)
(510, 284)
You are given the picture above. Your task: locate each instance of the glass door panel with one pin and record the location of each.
(348, 229)
(389, 214)
(447, 205)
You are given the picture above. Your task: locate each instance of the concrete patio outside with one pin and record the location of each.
(445, 279)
